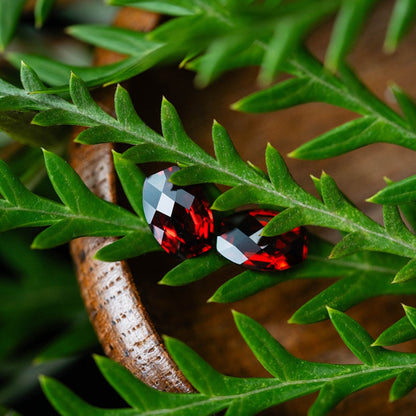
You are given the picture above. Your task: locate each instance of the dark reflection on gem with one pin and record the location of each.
(240, 241)
(179, 218)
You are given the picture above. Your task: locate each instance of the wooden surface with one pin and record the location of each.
(208, 328)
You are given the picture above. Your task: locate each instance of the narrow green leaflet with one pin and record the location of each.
(217, 58)
(296, 91)
(112, 38)
(406, 104)
(288, 34)
(56, 73)
(197, 26)
(281, 191)
(401, 331)
(403, 16)
(406, 273)
(349, 22)
(194, 269)
(9, 16)
(312, 83)
(400, 192)
(291, 378)
(83, 212)
(353, 135)
(169, 7)
(403, 385)
(132, 245)
(42, 10)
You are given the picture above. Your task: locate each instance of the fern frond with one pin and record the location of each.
(209, 30)
(82, 213)
(334, 210)
(311, 82)
(291, 377)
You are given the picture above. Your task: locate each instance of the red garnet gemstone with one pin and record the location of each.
(179, 217)
(240, 241)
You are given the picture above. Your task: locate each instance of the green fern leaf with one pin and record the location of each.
(194, 269)
(296, 91)
(241, 195)
(343, 139)
(225, 151)
(355, 337)
(350, 19)
(400, 192)
(394, 224)
(248, 396)
(287, 220)
(116, 39)
(406, 104)
(403, 16)
(9, 14)
(403, 385)
(132, 179)
(84, 102)
(42, 10)
(406, 273)
(270, 353)
(400, 331)
(216, 59)
(359, 270)
(125, 112)
(175, 134)
(169, 7)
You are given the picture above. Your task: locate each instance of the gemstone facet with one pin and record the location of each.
(179, 217)
(240, 241)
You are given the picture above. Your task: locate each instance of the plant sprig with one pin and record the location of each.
(248, 185)
(81, 206)
(213, 31)
(291, 378)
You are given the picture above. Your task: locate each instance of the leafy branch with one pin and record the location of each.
(215, 36)
(292, 378)
(248, 185)
(311, 82)
(82, 213)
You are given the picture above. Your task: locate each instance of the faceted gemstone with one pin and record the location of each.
(179, 217)
(240, 241)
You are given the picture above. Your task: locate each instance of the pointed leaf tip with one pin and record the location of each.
(237, 315)
(236, 106)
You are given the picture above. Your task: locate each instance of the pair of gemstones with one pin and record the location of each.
(183, 224)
